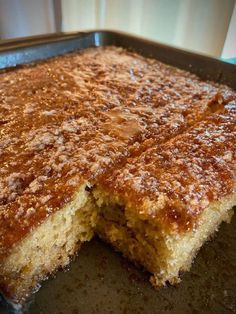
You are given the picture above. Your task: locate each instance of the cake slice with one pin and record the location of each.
(58, 130)
(160, 207)
(46, 248)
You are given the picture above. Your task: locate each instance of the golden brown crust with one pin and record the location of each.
(77, 116)
(174, 182)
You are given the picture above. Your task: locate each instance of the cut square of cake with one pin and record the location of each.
(160, 207)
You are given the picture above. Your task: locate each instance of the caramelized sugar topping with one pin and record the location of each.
(80, 116)
(175, 181)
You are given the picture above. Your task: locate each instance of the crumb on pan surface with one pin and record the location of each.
(111, 142)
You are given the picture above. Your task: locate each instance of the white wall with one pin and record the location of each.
(19, 18)
(206, 25)
(79, 14)
(199, 25)
(229, 50)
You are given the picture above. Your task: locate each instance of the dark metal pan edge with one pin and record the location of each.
(25, 50)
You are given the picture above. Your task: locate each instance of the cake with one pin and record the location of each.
(161, 206)
(108, 142)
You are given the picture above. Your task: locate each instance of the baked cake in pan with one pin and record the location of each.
(106, 141)
(160, 207)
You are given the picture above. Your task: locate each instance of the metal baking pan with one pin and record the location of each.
(30, 49)
(101, 280)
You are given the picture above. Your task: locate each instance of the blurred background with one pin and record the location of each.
(206, 26)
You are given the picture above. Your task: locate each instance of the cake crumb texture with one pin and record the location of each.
(107, 141)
